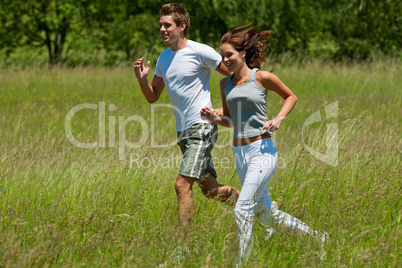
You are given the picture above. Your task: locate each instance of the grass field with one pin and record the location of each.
(112, 205)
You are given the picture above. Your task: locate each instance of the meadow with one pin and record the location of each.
(113, 205)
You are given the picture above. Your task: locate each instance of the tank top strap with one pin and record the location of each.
(229, 80)
(252, 75)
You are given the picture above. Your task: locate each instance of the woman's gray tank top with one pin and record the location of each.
(247, 107)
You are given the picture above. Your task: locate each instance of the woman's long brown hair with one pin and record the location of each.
(255, 43)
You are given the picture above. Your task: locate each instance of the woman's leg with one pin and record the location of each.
(271, 214)
(255, 165)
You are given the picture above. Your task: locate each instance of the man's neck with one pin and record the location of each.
(180, 44)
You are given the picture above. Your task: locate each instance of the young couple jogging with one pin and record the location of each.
(184, 69)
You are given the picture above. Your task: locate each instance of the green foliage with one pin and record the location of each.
(45, 23)
(363, 28)
(89, 32)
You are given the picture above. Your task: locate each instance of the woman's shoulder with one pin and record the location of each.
(222, 83)
(266, 80)
(261, 75)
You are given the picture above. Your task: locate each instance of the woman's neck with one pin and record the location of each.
(241, 76)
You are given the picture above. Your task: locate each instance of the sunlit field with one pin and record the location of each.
(113, 204)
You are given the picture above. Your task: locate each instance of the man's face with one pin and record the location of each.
(169, 30)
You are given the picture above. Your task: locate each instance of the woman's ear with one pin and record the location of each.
(243, 53)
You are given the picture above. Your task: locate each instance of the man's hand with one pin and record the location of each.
(209, 114)
(140, 69)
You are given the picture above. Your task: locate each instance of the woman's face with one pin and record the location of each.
(232, 59)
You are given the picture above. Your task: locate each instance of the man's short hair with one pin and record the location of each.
(179, 15)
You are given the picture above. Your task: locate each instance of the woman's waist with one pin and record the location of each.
(248, 140)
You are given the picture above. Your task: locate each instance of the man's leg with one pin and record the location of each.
(183, 187)
(212, 189)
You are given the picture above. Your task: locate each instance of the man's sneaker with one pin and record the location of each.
(178, 257)
(180, 254)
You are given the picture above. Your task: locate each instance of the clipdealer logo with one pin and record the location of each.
(330, 156)
(147, 131)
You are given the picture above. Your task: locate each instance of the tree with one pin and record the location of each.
(127, 26)
(366, 27)
(123, 29)
(43, 22)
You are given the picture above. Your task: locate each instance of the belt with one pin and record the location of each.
(245, 141)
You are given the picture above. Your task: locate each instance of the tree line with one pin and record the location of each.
(126, 29)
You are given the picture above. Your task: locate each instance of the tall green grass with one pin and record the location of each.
(61, 205)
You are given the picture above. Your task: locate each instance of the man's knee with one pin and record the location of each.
(208, 185)
(183, 186)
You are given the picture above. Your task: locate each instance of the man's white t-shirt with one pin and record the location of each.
(186, 73)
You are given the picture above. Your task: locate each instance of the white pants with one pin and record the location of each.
(256, 163)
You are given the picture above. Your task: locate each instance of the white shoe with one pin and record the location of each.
(269, 233)
(274, 205)
(180, 254)
(178, 257)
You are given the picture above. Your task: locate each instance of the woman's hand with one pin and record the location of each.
(209, 114)
(273, 125)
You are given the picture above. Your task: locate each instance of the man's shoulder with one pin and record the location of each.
(166, 52)
(196, 45)
(165, 57)
(202, 50)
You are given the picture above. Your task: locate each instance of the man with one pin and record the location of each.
(184, 68)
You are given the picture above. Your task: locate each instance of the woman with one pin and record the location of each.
(244, 107)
